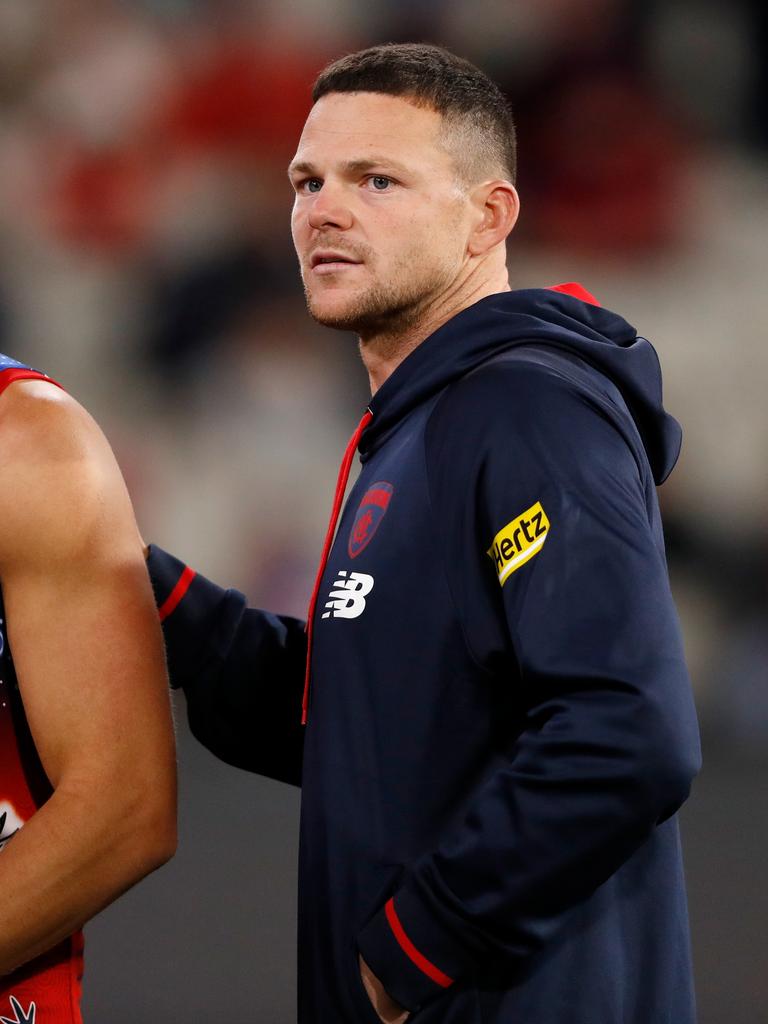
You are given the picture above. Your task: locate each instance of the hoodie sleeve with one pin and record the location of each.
(557, 551)
(241, 669)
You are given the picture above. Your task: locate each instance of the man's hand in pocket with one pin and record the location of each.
(386, 1007)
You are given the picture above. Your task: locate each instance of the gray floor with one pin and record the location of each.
(211, 936)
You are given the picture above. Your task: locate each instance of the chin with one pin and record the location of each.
(339, 314)
(337, 321)
(364, 312)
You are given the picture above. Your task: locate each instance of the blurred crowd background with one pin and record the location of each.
(146, 263)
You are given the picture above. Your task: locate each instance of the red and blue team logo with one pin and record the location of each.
(370, 512)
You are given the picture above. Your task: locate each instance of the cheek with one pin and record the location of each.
(295, 233)
(432, 239)
(298, 225)
(450, 238)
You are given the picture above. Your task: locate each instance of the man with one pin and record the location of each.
(499, 728)
(87, 773)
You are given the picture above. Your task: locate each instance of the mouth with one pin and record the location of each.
(327, 261)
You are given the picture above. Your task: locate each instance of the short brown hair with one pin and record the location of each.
(471, 104)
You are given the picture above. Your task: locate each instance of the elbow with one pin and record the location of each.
(157, 835)
(162, 845)
(668, 767)
(151, 836)
(671, 781)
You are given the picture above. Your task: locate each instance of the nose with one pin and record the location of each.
(330, 209)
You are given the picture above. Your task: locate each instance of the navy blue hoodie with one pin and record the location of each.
(500, 725)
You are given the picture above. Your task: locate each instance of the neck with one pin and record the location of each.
(383, 351)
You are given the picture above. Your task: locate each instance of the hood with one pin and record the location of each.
(565, 317)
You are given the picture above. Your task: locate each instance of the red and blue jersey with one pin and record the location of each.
(48, 988)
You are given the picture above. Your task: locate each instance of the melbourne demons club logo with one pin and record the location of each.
(368, 517)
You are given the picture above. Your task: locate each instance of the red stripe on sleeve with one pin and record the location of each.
(174, 598)
(410, 950)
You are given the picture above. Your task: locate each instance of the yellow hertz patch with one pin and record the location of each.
(518, 541)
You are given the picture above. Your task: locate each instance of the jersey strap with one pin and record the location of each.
(11, 370)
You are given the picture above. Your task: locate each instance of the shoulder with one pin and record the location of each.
(530, 378)
(40, 421)
(534, 388)
(55, 466)
(534, 409)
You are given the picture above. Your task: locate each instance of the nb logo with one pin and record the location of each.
(348, 595)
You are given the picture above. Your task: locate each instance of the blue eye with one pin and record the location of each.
(314, 185)
(380, 182)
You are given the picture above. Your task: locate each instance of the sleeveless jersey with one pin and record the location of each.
(45, 990)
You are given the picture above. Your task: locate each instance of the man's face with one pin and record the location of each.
(380, 222)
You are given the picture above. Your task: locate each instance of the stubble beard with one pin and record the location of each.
(384, 311)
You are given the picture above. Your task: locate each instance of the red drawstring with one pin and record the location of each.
(341, 486)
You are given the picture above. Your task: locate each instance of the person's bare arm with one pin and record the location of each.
(87, 648)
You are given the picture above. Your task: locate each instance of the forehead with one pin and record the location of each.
(350, 126)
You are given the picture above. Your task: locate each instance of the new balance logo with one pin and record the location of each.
(19, 1016)
(348, 595)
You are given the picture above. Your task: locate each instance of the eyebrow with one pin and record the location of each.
(351, 166)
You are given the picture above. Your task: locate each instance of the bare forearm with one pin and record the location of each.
(72, 858)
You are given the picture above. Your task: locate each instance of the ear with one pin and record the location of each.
(497, 205)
